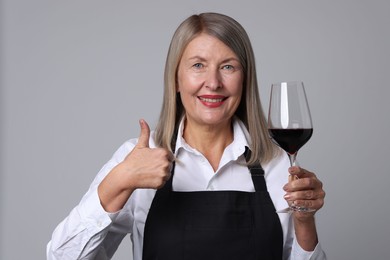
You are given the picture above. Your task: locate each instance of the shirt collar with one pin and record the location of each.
(240, 133)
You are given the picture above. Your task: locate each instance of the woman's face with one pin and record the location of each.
(210, 81)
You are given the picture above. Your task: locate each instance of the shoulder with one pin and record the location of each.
(276, 176)
(276, 171)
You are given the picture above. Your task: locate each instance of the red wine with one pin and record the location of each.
(291, 140)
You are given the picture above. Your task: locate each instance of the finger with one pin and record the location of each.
(143, 140)
(305, 195)
(170, 157)
(306, 183)
(299, 172)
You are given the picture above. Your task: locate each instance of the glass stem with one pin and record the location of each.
(292, 158)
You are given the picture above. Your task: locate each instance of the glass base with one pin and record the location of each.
(294, 208)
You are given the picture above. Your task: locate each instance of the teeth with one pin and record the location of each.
(211, 100)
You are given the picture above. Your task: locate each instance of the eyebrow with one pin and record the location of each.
(197, 58)
(200, 58)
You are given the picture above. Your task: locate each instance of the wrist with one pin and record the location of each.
(303, 218)
(305, 231)
(113, 192)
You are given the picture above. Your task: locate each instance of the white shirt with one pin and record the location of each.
(91, 233)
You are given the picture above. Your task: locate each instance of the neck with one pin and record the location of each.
(211, 141)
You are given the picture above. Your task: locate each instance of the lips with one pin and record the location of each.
(212, 100)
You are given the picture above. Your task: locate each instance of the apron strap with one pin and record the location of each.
(257, 173)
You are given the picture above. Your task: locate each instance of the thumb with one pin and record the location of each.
(143, 140)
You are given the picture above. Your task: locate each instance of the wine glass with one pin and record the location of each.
(289, 122)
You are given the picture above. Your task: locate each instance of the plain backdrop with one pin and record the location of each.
(77, 75)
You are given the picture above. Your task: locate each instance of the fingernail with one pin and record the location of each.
(292, 170)
(287, 196)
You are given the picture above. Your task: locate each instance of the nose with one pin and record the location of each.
(213, 79)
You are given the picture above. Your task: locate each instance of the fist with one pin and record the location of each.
(304, 189)
(147, 167)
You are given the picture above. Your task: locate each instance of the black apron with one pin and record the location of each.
(202, 225)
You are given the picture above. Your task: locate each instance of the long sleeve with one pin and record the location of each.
(88, 232)
(298, 253)
(84, 233)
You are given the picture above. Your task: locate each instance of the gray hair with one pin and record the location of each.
(250, 111)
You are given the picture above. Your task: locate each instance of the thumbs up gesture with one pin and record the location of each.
(148, 167)
(143, 167)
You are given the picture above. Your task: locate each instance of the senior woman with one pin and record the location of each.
(207, 182)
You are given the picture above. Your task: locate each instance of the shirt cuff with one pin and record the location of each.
(299, 253)
(93, 214)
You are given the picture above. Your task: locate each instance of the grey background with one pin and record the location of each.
(77, 75)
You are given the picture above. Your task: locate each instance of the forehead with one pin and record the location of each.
(207, 44)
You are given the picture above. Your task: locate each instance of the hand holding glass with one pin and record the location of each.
(289, 121)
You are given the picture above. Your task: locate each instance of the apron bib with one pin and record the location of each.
(202, 225)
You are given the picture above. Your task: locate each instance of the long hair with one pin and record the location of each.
(249, 111)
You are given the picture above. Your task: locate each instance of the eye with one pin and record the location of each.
(228, 67)
(198, 65)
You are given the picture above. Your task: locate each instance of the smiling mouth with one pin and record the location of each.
(211, 100)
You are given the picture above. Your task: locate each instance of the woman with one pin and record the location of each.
(207, 182)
